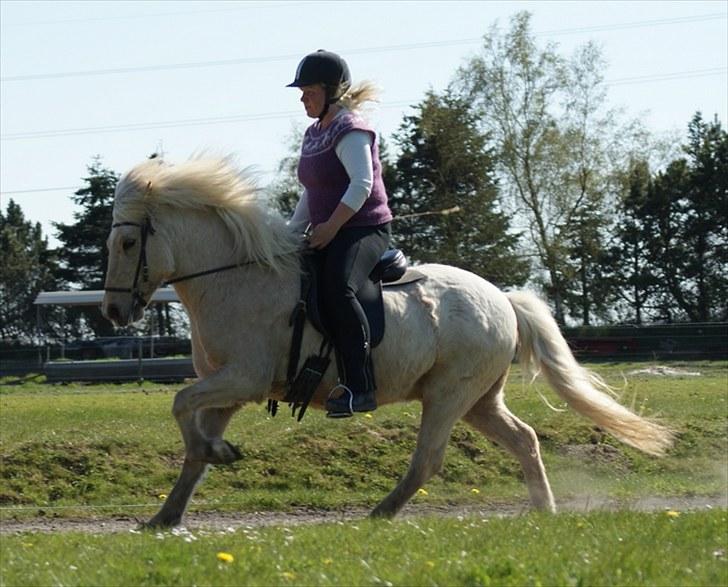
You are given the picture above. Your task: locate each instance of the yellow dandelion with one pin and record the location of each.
(368, 416)
(162, 496)
(327, 561)
(225, 557)
(475, 490)
(430, 564)
(421, 491)
(288, 575)
(672, 514)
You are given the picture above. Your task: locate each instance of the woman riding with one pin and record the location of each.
(345, 203)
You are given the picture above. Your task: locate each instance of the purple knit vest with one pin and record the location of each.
(326, 180)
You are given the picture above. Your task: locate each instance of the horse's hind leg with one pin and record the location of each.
(438, 419)
(212, 423)
(491, 417)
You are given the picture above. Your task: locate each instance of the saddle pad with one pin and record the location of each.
(410, 276)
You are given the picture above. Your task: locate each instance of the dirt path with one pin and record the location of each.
(217, 521)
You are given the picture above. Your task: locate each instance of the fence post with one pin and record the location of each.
(140, 360)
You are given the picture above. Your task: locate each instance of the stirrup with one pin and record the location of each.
(332, 413)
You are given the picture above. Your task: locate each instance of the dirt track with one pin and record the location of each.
(224, 521)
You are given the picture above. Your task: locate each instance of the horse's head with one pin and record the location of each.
(139, 260)
(214, 201)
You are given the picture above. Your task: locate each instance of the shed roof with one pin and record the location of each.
(93, 297)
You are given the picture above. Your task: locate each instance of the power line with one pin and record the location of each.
(246, 6)
(668, 76)
(58, 189)
(168, 124)
(365, 50)
(287, 114)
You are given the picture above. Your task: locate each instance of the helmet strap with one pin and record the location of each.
(324, 111)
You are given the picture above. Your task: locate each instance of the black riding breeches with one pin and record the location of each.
(343, 267)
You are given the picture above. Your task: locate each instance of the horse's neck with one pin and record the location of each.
(199, 242)
(250, 296)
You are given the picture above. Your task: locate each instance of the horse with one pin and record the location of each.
(450, 337)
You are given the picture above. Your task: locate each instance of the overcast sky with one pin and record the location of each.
(124, 79)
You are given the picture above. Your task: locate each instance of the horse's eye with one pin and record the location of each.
(128, 244)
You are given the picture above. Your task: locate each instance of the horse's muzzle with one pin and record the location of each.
(113, 313)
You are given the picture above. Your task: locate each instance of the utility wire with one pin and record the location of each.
(365, 50)
(65, 188)
(170, 123)
(246, 6)
(287, 114)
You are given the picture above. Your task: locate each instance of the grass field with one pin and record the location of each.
(117, 445)
(596, 549)
(103, 450)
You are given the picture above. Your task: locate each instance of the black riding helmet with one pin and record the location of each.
(326, 68)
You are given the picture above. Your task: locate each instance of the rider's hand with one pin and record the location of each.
(322, 234)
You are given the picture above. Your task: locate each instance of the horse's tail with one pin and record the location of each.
(542, 348)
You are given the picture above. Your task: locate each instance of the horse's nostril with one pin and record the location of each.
(112, 313)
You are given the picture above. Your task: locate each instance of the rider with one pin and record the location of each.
(345, 202)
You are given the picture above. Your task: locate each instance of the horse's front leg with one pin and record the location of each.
(203, 409)
(212, 423)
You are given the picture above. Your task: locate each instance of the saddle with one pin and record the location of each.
(390, 270)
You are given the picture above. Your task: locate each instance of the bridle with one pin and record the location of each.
(142, 267)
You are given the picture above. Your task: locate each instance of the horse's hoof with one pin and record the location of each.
(159, 523)
(237, 455)
(381, 514)
(223, 453)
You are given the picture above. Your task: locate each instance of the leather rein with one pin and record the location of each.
(142, 267)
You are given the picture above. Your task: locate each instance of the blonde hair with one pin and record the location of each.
(359, 94)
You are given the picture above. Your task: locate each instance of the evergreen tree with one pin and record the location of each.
(84, 256)
(28, 267)
(670, 258)
(444, 197)
(706, 227)
(627, 265)
(685, 213)
(285, 190)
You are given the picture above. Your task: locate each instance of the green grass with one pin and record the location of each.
(595, 549)
(117, 447)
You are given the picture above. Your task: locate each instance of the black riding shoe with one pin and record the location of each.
(348, 402)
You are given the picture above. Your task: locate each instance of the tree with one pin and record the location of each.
(685, 213)
(83, 254)
(444, 164)
(627, 263)
(28, 267)
(706, 228)
(286, 190)
(669, 260)
(547, 119)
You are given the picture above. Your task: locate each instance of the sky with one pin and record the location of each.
(121, 80)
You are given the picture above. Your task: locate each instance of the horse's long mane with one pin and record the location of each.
(217, 185)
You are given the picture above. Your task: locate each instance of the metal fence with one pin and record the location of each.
(168, 359)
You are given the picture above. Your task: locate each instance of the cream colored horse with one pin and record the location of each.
(449, 342)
